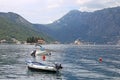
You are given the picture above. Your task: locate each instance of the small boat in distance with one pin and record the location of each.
(40, 51)
(37, 66)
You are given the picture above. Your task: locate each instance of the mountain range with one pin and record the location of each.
(100, 27)
(13, 25)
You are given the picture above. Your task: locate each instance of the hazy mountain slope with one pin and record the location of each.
(101, 26)
(14, 26)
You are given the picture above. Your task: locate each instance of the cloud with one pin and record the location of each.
(82, 2)
(54, 3)
(92, 5)
(53, 6)
(45, 11)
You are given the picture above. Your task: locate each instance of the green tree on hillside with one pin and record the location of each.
(33, 39)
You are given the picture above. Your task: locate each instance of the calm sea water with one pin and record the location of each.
(79, 62)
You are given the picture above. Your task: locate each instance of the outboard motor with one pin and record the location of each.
(33, 53)
(58, 66)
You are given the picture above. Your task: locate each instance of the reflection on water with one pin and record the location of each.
(79, 62)
(44, 75)
(13, 64)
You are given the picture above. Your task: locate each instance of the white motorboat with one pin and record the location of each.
(42, 67)
(40, 52)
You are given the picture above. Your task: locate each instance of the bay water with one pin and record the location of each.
(80, 62)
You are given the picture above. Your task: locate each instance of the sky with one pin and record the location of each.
(47, 11)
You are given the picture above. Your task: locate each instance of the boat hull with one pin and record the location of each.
(40, 70)
(39, 52)
(41, 67)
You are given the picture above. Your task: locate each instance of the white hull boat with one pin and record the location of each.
(39, 52)
(42, 67)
